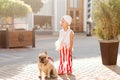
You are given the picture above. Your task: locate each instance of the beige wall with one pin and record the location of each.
(56, 9)
(47, 8)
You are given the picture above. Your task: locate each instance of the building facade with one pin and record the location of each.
(79, 10)
(49, 16)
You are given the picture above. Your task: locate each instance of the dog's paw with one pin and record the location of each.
(48, 77)
(53, 76)
(39, 76)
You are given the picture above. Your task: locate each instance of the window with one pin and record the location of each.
(74, 3)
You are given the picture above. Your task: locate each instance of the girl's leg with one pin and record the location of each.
(65, 61)
(69, 64)
(60, 69)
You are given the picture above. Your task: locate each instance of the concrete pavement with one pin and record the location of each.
(21, 63)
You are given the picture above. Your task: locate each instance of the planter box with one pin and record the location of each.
(109, 52)
(17, 38)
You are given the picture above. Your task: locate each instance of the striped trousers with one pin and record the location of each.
(65, 65)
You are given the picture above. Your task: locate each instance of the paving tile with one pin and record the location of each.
(83, 69)
(21, 64)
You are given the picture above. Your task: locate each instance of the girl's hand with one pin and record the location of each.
(70, 49)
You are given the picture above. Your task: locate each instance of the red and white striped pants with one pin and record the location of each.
(65, 65)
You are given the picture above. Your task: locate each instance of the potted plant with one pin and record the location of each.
(107, 28)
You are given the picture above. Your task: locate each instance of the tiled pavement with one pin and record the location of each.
(83, 69)
(13, 66)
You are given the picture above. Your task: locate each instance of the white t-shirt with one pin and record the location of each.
(64, 37)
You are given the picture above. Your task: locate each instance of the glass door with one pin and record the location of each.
(75, 10)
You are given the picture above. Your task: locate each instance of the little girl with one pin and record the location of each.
(66, 44)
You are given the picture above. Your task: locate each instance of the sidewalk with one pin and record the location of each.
(21, 63)
(83, 69)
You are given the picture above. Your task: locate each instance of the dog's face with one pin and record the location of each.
(43, 57)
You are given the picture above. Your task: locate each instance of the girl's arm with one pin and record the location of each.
(71, 40)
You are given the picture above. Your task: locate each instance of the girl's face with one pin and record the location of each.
(64, 24)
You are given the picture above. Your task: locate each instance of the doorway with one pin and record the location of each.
(75, 9)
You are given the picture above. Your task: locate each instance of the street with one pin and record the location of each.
(21, 63)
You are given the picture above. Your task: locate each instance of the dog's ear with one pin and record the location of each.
(45, 52)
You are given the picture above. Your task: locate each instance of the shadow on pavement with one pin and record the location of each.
(114, 68)
(64, 77)
(68, 77)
